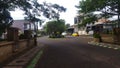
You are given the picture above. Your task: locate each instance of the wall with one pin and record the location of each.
(109, 38)
(5, 50)
(10, 49)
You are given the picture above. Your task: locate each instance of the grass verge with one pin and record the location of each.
(35, 60)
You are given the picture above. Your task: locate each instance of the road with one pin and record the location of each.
(75, 52)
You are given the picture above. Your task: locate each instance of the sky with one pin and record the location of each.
(68, 15)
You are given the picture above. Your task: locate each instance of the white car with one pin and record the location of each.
(64, 33)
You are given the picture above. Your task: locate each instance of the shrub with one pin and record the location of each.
(96, 35)
(22, 36)
(56, 36)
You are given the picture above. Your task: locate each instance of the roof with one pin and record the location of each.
(19, 24)
(102, 21)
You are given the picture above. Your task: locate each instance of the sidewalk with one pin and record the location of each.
(106, 45)
(25, 59)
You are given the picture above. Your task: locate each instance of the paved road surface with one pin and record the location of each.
(74, 52)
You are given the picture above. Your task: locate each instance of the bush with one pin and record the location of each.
(96, 35)
(2, 39)
(56, 36)
(22, 36)
(51, 36)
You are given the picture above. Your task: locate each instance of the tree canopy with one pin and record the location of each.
(107, 7)
(32, 9)
(55, 26)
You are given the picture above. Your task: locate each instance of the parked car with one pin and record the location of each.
(75, 34)
(64, 33)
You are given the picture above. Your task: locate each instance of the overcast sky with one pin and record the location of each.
(68, 15)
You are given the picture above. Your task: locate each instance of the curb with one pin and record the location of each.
(105, 45)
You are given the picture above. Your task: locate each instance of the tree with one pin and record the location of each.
(31, 8)
(5, 21)
(46, 9)
(55, 26)
(7, 5)
(107, 7)
(58, 9)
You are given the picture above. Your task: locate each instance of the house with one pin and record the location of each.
(22, 25)
(78, 20)
(88, 29)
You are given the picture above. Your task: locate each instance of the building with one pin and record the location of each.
(23, 25)
(101, 25)
(88, 29)
(78, 20)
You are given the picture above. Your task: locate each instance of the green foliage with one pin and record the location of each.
(5, 20)
(56, 36)
(6, 6)
(41, 33)
(32, 9)
(107, 7)
(89, 20)
(55, 28)
(22, 36)
(52, 11)
(96, 35)
(2, 40)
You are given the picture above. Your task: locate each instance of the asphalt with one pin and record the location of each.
(75, 52)
(69, 52)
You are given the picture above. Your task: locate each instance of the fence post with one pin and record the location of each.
(12, 35)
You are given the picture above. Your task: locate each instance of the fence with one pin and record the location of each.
(14, 46)
(112, 37)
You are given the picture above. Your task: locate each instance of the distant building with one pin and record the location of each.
(102, 21)
(88, 30)
(99, 25)
(22, 25)
(78, 20)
